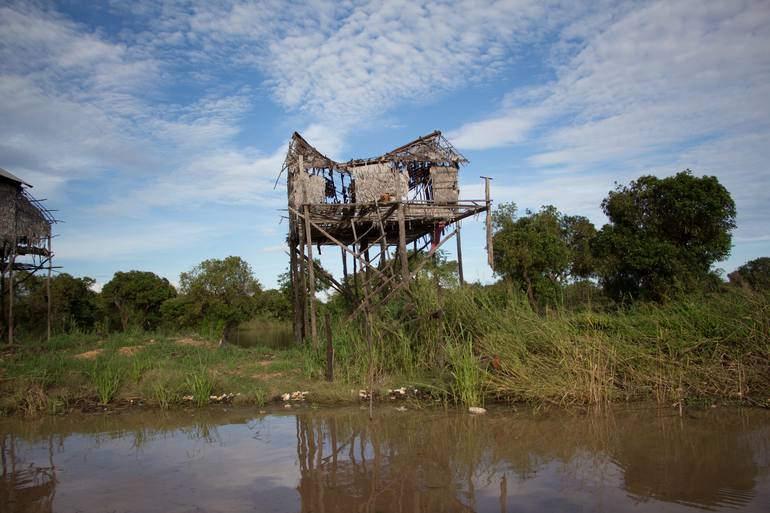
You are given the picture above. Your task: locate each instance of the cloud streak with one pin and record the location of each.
(654, 88)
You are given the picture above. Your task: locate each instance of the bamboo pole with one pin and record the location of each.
(368, 334)
(460, 256)
(11, 262)
(295, 284)
(401, 285)
(311, 279)
(326, 234)
(303, 291)
(48, 289)
(488, 200)
(402, 243)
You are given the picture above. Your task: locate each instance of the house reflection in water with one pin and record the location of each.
(337, 460)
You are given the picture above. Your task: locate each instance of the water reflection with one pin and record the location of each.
(437, 462)
(338, 460)
(25, 487)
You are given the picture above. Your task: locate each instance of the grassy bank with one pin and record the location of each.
(468, 346)
(475, 344)
(86, 372)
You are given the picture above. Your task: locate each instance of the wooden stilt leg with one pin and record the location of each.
(294, 269)
(460, 256)
(311, 280)
(402, 244)
(490, 255)
(48, 290)
(303, 293)
(11, 262)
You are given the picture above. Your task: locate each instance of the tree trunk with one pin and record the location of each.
(530, 292)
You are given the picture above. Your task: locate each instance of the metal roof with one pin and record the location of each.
(10, 176)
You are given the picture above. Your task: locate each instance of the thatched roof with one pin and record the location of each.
(432, 148)
(23, 220)
(7, 175)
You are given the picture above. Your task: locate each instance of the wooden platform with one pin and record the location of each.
(364, 224)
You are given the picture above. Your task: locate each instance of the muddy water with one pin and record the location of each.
(436, 461)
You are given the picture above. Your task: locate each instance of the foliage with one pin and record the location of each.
(541, 250)
(437, 268)
(754, 273)
(270, 305)
(74, 305)
(222, 292)
(135, 297)
(663, 235)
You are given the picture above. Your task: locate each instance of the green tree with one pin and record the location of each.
(74, 305)
(219, 292)
(754, 273)
(663, 234)
(541, 250)
(135, 298)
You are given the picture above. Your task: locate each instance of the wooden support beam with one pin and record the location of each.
(402, 244)
(294, 271)
(303, 290)
(11, 261)
(488, 200)
(329, 279)
(326, 234)
(460, 256)
(311, 280)
(402, 284)
(48, 290)
(368, 332)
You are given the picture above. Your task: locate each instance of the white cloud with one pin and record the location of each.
(649, 88)
(107, 243)
(509, 128)
(343, 62)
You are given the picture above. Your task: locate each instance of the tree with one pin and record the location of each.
(136, 297)
(663, 234)
(223, 292)
(754, 273)
(74, 304)
(541, 250)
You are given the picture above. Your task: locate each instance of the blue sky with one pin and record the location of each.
(157, 128)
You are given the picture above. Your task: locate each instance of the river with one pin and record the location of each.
(337, 460)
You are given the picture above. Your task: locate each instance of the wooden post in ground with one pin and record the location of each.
(11, 262)
(295, 270)
(368, 333)
(48, 289)
(303, 290)
(329, 348)
(311, 279)
(460, 256)
(490, 256)
(402, 243)
(2, 291)
(344, 267)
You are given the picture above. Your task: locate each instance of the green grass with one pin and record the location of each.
(481, 343)
(200, 385)
(467, 346)
(105, 377)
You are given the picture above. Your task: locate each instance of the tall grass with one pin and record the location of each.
(201, 385)
(105, 377)
(484, 342)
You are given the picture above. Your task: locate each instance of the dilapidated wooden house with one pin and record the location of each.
(371, 209)
(25, 241)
